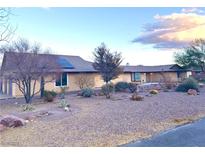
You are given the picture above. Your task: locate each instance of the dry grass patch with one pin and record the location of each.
(183, 120)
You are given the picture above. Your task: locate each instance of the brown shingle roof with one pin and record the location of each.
(79, 64)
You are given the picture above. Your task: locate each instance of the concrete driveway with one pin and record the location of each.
(190, 135)
(2, 96)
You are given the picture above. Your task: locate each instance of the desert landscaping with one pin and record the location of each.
(97, 121)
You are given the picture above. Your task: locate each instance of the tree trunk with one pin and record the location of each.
(42, 86)
(202, 68)
(27, 98)
(27, 93)
(107, 91)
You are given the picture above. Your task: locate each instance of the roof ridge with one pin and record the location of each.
(49, 54)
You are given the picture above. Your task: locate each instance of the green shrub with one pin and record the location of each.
(63, 103)
(49, 95)
(107, 89)
(28, 107)
(132, 87)
(121, 86)
(189, 83)
(87, 92)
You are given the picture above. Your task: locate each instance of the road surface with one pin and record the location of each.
(190, 135)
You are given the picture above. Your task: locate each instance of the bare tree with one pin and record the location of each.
(6, 29)
(27, 67)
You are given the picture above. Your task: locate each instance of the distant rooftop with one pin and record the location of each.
(158, 68)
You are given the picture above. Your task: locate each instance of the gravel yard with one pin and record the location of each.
(97, 121)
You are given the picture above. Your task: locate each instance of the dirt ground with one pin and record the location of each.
(97, 121)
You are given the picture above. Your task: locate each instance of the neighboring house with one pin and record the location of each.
(74, 66)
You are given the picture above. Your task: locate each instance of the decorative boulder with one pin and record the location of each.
(12, 121)
(192, 92)
(153, 91)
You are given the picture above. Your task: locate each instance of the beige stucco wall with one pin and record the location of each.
(18, 93)
(97, 81)
(157, 77)
(94, 77)
(72, 82)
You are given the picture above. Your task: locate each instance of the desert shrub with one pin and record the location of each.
(49, 95)
(189, 83)
(84, 81)
(121, 86)
(87, 92)
(63, 103)
(132, 87)
(28, 107)
(136, 97)
(153, 92)
(107, 89)
(166, 82)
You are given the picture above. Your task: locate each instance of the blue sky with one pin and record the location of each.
(77, 31)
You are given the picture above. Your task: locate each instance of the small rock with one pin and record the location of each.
(12, 121)
(136, 97)
(66, 109)
(192, 92)
(44, 113)
(26, 121)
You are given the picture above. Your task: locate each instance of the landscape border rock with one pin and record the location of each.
(192, 92)
(12, 121)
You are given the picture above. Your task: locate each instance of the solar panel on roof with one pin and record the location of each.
(64, 63)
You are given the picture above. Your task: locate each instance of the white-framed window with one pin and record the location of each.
(62, 81)
(136, 76)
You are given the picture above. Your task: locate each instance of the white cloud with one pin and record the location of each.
(191, 10)
(175, 30)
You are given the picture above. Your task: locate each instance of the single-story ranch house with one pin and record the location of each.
(74, 66)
